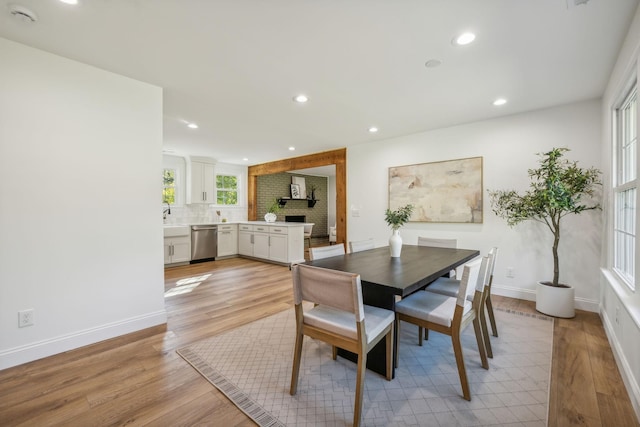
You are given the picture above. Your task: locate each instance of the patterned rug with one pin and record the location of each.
(251, 365)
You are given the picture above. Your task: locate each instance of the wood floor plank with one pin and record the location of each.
(139, 379)
(577, 380)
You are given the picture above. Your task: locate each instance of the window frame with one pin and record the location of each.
(174, 185)
(625, 180)
(236, 189)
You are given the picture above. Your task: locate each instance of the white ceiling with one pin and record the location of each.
(234, 66)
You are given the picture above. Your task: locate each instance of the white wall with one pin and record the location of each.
(80, 161)
(620, 307)
(508, 146)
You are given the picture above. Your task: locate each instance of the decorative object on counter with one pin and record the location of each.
(218, 213)
(396, 219)
(558, 188)
(272, 210)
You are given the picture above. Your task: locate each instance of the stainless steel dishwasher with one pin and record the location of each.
(204, 242)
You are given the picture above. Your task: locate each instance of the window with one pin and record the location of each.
(226, 189)
(169, 186)
(625, 189)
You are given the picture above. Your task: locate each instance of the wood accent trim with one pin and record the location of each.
(326, 158)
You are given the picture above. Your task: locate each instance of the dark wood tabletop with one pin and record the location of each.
(416, 267)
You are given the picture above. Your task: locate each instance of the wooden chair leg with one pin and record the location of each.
(485, 334)
(420, 335)
(389, 348)
(462, 372)
(357, 406)
(492, 318)
(396, 338)
(334, 352)
(480, 341)
(297, 355)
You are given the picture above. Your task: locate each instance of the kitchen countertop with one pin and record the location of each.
(277, 223)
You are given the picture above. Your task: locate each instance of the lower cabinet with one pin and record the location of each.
(177, 249)
(281, 244)
(227, 240)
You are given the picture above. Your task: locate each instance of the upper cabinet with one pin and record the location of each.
(201, 181)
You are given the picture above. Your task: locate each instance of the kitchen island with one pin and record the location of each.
(278, 242)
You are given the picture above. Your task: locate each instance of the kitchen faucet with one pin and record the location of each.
(166, 211)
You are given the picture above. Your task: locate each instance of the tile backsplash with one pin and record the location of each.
(204, 214)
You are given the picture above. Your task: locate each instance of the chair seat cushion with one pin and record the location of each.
(432, 307)
(445, 286)
(344, 323)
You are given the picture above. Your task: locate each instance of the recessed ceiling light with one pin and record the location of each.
(69, 1)
(292, 148)
(463, 39)
(373, 129)
(245, 159)
(301, 99)
(499, 101)
(433, 63)
(192, 126)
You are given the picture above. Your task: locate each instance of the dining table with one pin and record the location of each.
(385, 279)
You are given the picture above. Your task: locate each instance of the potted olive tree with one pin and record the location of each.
(558, 188)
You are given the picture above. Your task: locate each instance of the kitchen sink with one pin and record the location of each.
(171, 230)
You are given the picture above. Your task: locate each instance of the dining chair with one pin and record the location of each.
(308, 228)
(326, 251)
(340, 319)
(439, 243)
(361, 245)
(450, 287)
(450, 315)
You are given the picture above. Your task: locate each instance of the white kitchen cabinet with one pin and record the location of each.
(278, 246)
(227, 240)
(245, 239)
(177, 244)
(261, 242)
(201, 183)
(281, 243)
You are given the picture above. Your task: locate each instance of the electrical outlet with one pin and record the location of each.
(25, 318)
(510, 272)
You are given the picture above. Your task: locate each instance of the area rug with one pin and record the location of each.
(251, 365)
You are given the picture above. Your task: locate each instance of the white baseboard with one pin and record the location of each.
(530, 295)
(625, 370)
(37, 350)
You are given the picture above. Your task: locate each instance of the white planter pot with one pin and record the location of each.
(270, 217)
(395, 244)
(555, 301)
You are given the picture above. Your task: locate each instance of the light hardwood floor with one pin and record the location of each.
(139, 380)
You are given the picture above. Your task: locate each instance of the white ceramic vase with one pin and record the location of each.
(555, 301)
(270, 217)
(395, 244)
